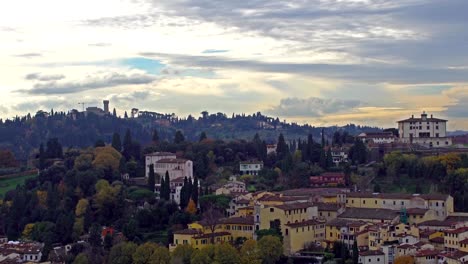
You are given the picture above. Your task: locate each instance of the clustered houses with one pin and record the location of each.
(328, 179)
(384, 226)
(19, 252)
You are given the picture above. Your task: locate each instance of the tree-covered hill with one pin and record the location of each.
(24, 134)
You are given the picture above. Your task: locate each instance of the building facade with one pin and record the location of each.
(252, 167)
(426, 131)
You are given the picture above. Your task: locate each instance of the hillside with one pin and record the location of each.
(24, 134)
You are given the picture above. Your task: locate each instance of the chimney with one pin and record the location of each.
(431, 115)
(412, 116)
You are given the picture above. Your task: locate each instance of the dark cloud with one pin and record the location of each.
(41, 77)
(28, 55)
(373, 73)
(91, 83)
(313, 107)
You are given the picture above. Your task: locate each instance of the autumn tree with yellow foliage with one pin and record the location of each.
(404, 260)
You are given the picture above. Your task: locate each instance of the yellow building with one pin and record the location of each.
(329, 211)
(300, 235)
(419, 215)
(427, 256)
(245, 211)
(238, 227)
(453, 237)
(441, 204)
(197, 239)
(267, 217)
(346, 231)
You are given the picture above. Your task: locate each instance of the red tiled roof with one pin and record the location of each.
(249, 220)
(439, 240)
(371, 253)
(294, 206)
(457, 231)
(427, 252)
(305, 223)
(187, 232)
(417, 211)
(159, 154)
(216, 234)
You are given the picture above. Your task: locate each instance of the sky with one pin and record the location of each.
(322, 62)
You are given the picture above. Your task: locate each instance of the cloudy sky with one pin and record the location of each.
(324, 62)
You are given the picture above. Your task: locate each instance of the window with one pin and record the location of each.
(375, 201)
(437, 127)
(428, 128)
(364, 202)
(272, 210)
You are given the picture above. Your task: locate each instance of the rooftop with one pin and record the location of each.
(172, 161)
(457, 230)
(403, 196)
(249, 220)
(423, 118)
(369, 213)
(160, 154)
(371, 253)
(305, 223)
(294, 206)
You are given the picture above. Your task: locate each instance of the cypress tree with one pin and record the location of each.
(127, 144)
(151, 178)
(282, 147)
(155, 136)
(167, 183)
(162, 190)
(355, 253)
(42, 157)
(202, 136)
(179, 137)
(116, 142)
(329, 158)
(114, 113)
(195, 190)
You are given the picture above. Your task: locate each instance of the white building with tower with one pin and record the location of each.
(426, 131)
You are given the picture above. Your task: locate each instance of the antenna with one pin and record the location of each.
(83, 104)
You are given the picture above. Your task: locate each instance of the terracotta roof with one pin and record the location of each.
(406, 246)
(314, 191)
(328, 206)
(427, 252)
(159, 154)
(417, 211)
(457, 254)
(305, 223)
(294, 206)
(457, 230)
(403, 196)
(242, 201)
(332, 174)
(266, 198)
(464, 241)
(187, 232)
(249, 220)
(172, 161)
(344, 222)
(216, 234)
(428, 119)
(369, 213)
(439, 240)
(371, 253)
(437, 223)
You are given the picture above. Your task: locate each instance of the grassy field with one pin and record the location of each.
(9, 184)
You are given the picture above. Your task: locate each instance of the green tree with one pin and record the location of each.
(95, 236)
(249, 253)
(81, 259)
(122, 253)
(160, 255)
(179, 137)
(151, 178)
(355, 253)
(116, 142)
(281, 148)
(143, 253)
(329, 158)
(205, 255)
(127, 144)
(226, 254)
(270, 248)
(155, 137)
(182, 254)
(202, 136)
(42, 157)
